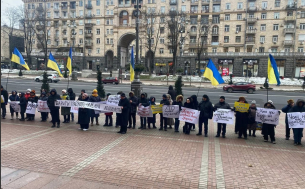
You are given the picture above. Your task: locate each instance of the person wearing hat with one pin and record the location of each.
(298, 132)
(286, 109)
(179, 102)
(242, 120)
(108, 115)
(27, 94)
(133, 110)
(152, 120)
(118, 115)
(4, 100)
(251, 118)
(206, 112)
(32, 99)
(72, 97)
(125, 106)
(22, 104)
(164, 101)
(13, 97)
(188, 104)
(43, 97)
(143, 102)
(65, 111)
(268, 129)
(54, 110)
(80, 97)
(221, 105)
(84, 114)
(94, 98)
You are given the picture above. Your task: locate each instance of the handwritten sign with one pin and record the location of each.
(113, 100)
(156, 108)
(296, 119)
(42, 106)
(74, 109)
(269, 116)
(144, 111)
(223, 116)
(31, 108)
(171, 111)
(15, 105)
(241, 107)
(189, 115)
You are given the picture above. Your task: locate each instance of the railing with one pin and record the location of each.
(237, 54)
(288, 42)
(205, 11)
(64, 7)
(173, 2)
(193, 32)
(290, 18)
(194, 1)
(251, 41)
(251, 19)
(289, 30)
(216, 1)
(124, 5)
(56, 53)
(291, 7)
(88, 35)
(89, 44)
(252, 8)
(88, 24)
(205, 1)
(89, 6)
(251, 31)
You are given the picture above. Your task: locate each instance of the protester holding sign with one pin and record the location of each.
(94, 98)
(143, 102)
(268, 129)
(163, 120)
(170, 121)
(195, 104)
(298, 132)
(80, 97)
(133, 110)
(22, 104)
(33, 99)
(43, 97)
(125, 106)
(65, 111)
(286, 109)
(188, 126)
(72, 97)
(84, 114)
(54, 109)
(4, 100)
(179, 101)
(152, 120)
(241, 117)
(206, 112)
(14, 97)
(108, 115)
(221, 105)
(252, 124)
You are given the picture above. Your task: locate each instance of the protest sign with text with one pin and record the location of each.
(223, 116)
(15, 105)
(296, 119)
(113, 100)
(42, 106)
(171, 111)
(31, 108)
(144, 111)
(156, 108)
(74, 109)
(189, 115)
(241, 107)
(269, 116)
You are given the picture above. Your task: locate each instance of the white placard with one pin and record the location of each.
(31, 108)
(296, 119)
(15, 105)
(144, 111)
(42, 106)
(74, 109)
(189, 115)
(114, 100)
(171, 111)
(225, 116)
(269, 116)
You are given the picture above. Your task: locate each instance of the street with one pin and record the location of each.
(279, 98)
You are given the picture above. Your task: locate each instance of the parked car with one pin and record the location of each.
(51, 78)
(240, 86)
(113, 80)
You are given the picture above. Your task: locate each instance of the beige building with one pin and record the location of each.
(101, 32)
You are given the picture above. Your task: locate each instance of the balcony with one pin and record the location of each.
(89, 6)
(288, 42)
(290, 19)
(289, 30)
(72, 6)
(88, 44)
(56, 17)
(64, 8)
(64, 36)
(124, 5)
(89, 35)
(194, 2)
(215, 33)
(88, 25)
(252, 9)
(89, 16)
(39, 9)
(39, 27)
(173, 2)
(56, 9)
(56, 36)
(72, 36)
(205, 11)
(216, 1)
(251, 31)
(205, 2)
(250, 41)
(193, 11)
(193, 33)
(291, 7)
(251, 20)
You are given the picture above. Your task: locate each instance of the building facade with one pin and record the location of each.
(240, 34)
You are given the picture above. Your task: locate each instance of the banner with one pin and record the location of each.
(144, 111)
(31, 108)
(223, 116)
(42, 106)
(269, 116)
(15, 105)
(114, 100)
(296, 119)
(74, 109)
(89, 105)
(156, 108)
(189, 115)
(241, 107)
(171, 111)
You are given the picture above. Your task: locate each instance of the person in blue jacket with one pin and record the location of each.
(286, 109)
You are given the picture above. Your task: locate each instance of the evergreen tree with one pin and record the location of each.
(100, 87)
(178, 86)
(20, 73)
(45, 85)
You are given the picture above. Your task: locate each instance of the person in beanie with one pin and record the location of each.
(4, 100)
(133, 109)
(94, 98)
(84, 114)
(33, 99)
(221, 105)
(251, 118)
(268, 129)
(152, 120)
(298, 132)
(43, 97)
(54, 110)
(108, 118)
(164, 101)
(286, 109)
(143, 102)
(80, 97)
(22, 104)
(65, 111)
(13, 97)
(72, 97)
(118, 115)
(242, 120)
(178, 101)
(188, 104)
(125, 106)
(27, 94)
(206, 112)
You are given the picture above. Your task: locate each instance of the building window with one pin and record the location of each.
(111, 40)
(216, 8)
(107, 41)
(275, 27)
(263, 27)
(161, 51)
(226, 39)
(214, 50)
(227, 28)
(302, 14)
(263, 16)
(98, 40)
(183, 8)
(81, 22)
(98, 22)
(237, 49)
(80, 41)
(264, 4)
(98, 50)
(80, 32)
(239, 5)
(303, 2)
(98, 12)
(162, 20)
(276, 15)
(237, 39)
(228, 6)
(287, 50)
(98, 31)
(227, 17)
(98, 2)
(277, 3)
(239, 17)
(302, 26)
(300, 49)
(275, 38)
(261, 49)
(162, 30)
(89, 51)
(171, 51)
(48, 5)
(161, 40)
(162, 10)
(262, 39)
(274, 49)
(238, 28)
(80, 3)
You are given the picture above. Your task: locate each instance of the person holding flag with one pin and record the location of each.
(53, 65)
(17, 58)
(132, 66)
(273, 74)
(212, 74)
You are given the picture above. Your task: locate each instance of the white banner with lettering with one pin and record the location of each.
(74, 109)
(269, 116)
(189, 115)
(171, 111)
(223, 116)
(144, 111)
(31, 108)
(296, 119)
(43, 106)
(113, 100)
(15, 105)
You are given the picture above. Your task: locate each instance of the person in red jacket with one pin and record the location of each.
(27, 94)
(108, 115)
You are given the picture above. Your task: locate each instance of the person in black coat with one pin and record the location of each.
(164, 101)
(286, 110)
(221, 105)
(143, 102)
(178, 101)
(125, 105)
(54, 110)
(268, 129)
(3, 101)
(242, 120)
(72, 97)
(152, 120)
(43, 97)
(133, 109)
(84, 114)
(80, 97)
(195, 105)
(33, 99)
(172, 92)
(22, 104)
(190, 105)
(12, 98)
(298, 132)
(206, 112)
(94, 98)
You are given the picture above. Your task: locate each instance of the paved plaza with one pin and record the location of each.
(34, 155)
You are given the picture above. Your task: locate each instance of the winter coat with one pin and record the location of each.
(241, 117)
(5, 96)
(286, 110)
(266, 124)
(143, 101)
(71, 94)
(109, 113)
(33, 99)
(164, 102)
(84, 114)
(43, 98)
(176, 102)
(206, 109)
(14, 97)
(133, 104)
(22, 103)
(297, 108)
(221, 105)
(172, 92)
(27, 95)
(189, 105)
(152, 119)
(194, 101)
(125, 111)
(65, 110)
(51, 100)
(94, 99)
(251, 118)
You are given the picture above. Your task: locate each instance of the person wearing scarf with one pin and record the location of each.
(94, 98)
(65, 111)
(32, 99)
(13, 97)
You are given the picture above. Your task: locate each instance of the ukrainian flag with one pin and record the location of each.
(132, 66)
(273, 74)
(69, 61)
(212, 74)
(17, 58)
(53, 64)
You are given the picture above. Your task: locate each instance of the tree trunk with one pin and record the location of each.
(174, 63)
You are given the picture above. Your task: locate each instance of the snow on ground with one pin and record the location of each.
(26, 72)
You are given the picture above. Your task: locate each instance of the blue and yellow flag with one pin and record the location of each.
(53, 64)
(132, 66)
(17, 58)
(69, 61)
(212, 74)
(273, 74)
